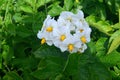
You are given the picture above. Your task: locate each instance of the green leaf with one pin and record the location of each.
(26, 9)
(49, 68)
(7, 53)
(102, 26)
(114, 35)
(114, 41)
(8, 19)
(12, 76)
(11, 29)
(101, 46)
(17, 17)
(116, 26)
(45, 51)
(23, 32)
(100, 0)
(27, 75)
(68, 4)
(110, 4)
(111, 59)
(86, 67)
(117, 5)
(97, 9)
(56, 10)
(25, 63)
(41, 2)
(114, 45)
(2, 2)
(31, 2)
(91, 48)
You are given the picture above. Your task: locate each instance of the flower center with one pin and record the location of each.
(70, 47)
(83, 39)
(43, 41)
(81, 30)
(69, 19)
(49, 29)
(62, 37)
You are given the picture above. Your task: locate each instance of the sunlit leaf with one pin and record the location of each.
(68, 4)
(114, 45)
(31, 2)
(100, 25)
(42, 2)
(26, 9)
(56, 10)
(114, 35)
(116, 26)
(7, 54)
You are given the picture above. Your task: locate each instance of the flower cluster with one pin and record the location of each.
(70, 32)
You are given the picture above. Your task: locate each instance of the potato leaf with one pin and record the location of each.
(114, 45)
(68, 4)
(56, 10)
(86, 67)
(12, 76)
(111, 59)
(102, 26)
(26, 9)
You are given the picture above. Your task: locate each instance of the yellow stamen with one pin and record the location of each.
(49, 29)
(81, 30)
(83, 39)
(43, 41)
(70, 19)
(62, 37)
(70, 47)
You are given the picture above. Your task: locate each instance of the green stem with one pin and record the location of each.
(66, 62)
(45, 7)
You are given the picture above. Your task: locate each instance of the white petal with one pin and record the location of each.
(49, 42)
(63, 48)
(40, 35)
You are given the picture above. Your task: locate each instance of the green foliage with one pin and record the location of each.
(12, 76)
(22, 57)
(115, 41)
(108, 59)
(86, 67)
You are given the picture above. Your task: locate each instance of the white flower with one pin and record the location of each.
(83, 35)
(70, 32)
(66, 18)
(70, 44)
(80, 14)
(60, 34)
(46, 33)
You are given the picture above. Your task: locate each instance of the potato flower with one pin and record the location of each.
(46, 33)
(70, 32)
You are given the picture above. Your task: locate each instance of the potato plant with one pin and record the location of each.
(23, 57)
